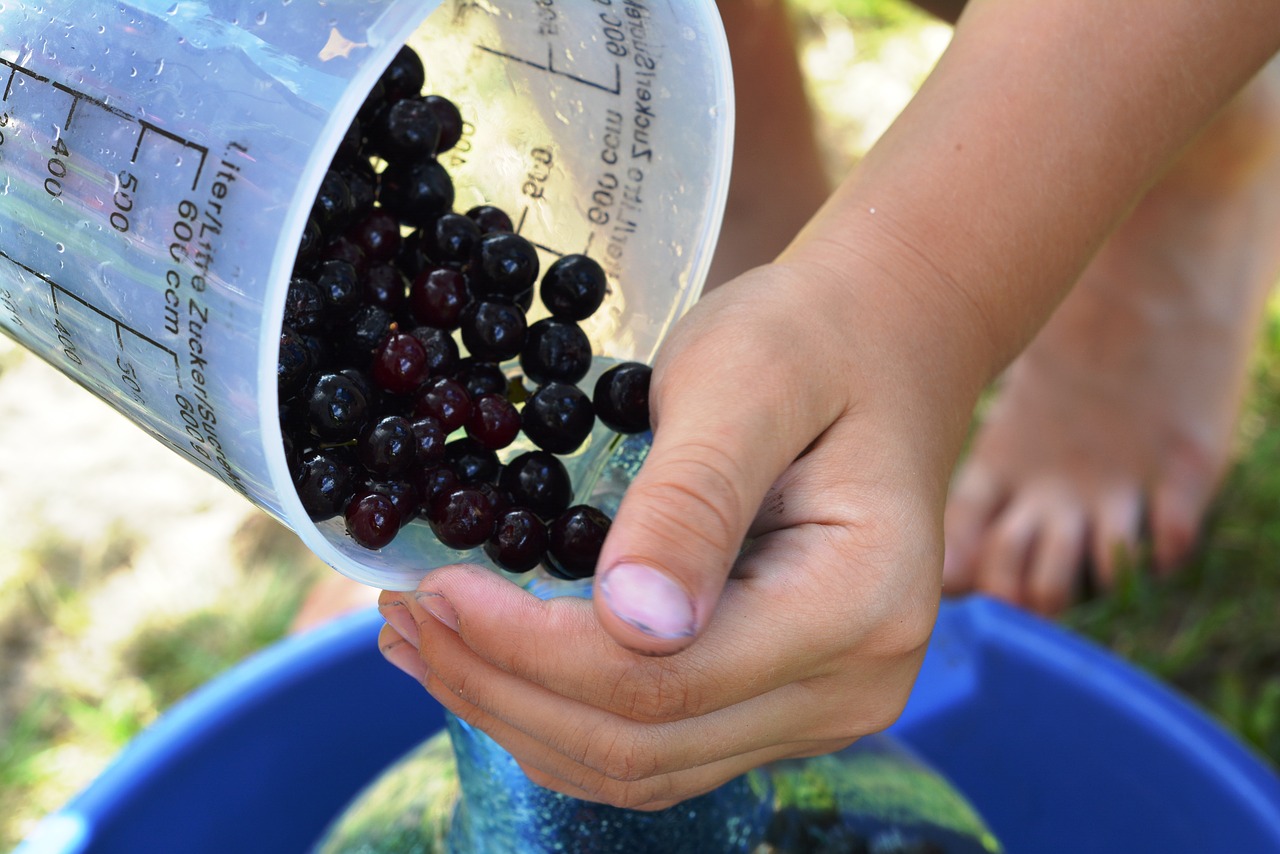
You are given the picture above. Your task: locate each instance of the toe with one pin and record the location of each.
(972, 502)
(1114, 541)
(1178, 504)
(1001, 566)
(1056, 561)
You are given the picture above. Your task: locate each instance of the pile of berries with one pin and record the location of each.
(401, 313)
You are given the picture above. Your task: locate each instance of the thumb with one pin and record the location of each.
(716, 451)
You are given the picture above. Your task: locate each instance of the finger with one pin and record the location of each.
(399, 652)
(729, 416)
(626, 779)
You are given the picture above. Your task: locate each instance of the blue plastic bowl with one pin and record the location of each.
(1061, 746)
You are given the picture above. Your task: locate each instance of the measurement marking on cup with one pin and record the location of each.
(550, 67)
(14, 68)
(147, 126)
(120, 326)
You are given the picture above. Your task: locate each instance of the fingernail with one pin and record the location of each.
(649, 600)
(439, 607)
(398, 617)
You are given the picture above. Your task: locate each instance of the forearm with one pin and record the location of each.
(1041, 125)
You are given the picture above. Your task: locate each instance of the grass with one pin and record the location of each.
(72, 694)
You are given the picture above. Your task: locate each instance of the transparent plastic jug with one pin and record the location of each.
(158, 161)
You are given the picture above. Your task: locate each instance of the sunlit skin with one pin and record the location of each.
(817, 405)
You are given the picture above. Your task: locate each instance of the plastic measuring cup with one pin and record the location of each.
(158, 161)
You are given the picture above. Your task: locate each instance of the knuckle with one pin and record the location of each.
(621, 757)
(657, 692)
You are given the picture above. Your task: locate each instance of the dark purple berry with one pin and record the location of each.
(441, 349)
(373, 102)
(444, 400)
(463, 519)
(385, 286)
(621, 397)
(333, 204)
(573, 287)
(336, 410)
(519, 540)
(388, 447)
(493, 331)
(505, 265)
(309, 247)
(473, 462)
(293, 364)
(479, 377)
(450, 119)
(403, 494)
(452, 239)
(352, 141)
(494, 422)
(304, 307)
(400, 364)
(433, 483)
(403, 76)
(378, 235)
(367, 329)
(437, 297)
(362, 181)
(555, 351)
(344, 248)
(539, 481)
(491, 219)
(407, 130)
(416, 191)
(576, 537)
(324, 481)
(372, 520)
(339, 285)
(558, 417)
(430, 437)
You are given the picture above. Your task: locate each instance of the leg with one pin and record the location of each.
(1121, 414)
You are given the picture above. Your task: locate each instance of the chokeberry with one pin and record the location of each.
(573, 287)
(357, 340)
(519, 541)
(404, 75)
(378, 235)
(339, 284)
(437, 297)
(400, 363)
(430, 437)
(445, 400)
(336, 410)
(407, 130)
(324, 480)
(403, 494)
(441, 349)
(491, 218)
(539, 481)
(576, 537)
(493, 331)
(473, 462)
(621, 397)
(450, 119)
(479, 377)
(304, 307)
(416, 191)
(505, 265)
(462, 519)
(558, 417)
(362, 181)
(494, 421)
(333, 204)
(555, 350)
(372, 519)
(385, 286)
(309, 246)
(293, 363)
(344, 248)
(388, 447)
(452, 239)
(432, 483)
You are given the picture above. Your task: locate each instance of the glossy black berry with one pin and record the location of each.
(378, 235)
(432, 483)
(576, 537)
(339, 285)
(403, 76)
(555, 351)
(403, 494)
(372, 520)
(400, 364)
(362, 181)
(491, 218)
(621, 397)
(416, 191)
(463, 519)
(335, 409)
(539, 481)
(309, 246)
(450, 119)
(293, 363)
(519, 540)
(333, 204)
(324, 480)
(430, 437)
(444, 400)
(408, 130)
(473, 462)
(494, 421)
(388, 447)
(452, 239)
(304, 306)
(385, 286)
(504, 265)
(573, 287)
(437, 297)
(493, 331)
(344, 248)
(558, 417)
(357, 340)
(441, 349)
(479, 377)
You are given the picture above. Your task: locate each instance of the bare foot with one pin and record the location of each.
(1119, 418)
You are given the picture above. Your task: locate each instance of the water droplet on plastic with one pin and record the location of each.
(260, 19)
(101, 29)
(172, 10)
(133, 72)
(60, 247)
(159, 67)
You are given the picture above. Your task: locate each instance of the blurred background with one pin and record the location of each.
(128, 577)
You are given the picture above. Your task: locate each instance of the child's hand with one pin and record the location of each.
(780, 416)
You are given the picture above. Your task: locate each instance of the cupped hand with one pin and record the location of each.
(767, 587)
